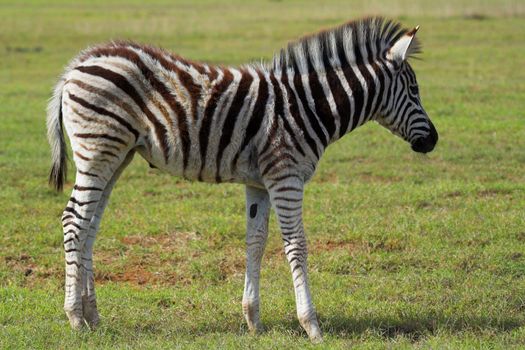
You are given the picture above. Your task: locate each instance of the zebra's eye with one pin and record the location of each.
(414, 90)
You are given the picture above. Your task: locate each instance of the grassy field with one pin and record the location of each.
(405, 250)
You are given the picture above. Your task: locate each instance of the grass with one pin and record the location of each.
(405, 251)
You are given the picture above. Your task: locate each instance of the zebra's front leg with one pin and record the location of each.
(257, 214)
(287, 199)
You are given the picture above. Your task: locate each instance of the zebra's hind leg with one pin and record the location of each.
(287, 199)
(93, 176)
(76, 221)
(257, 214)
(89, 301)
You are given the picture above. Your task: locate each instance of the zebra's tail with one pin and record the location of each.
(55, 136)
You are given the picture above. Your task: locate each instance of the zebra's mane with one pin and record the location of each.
(345, 44)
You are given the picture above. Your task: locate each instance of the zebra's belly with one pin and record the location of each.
(245, 170)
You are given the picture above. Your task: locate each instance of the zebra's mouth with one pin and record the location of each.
(426, 144)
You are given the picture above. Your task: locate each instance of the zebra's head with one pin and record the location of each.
(402, 112)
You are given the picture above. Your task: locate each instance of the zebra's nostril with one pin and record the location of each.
(426, 144)
(422, 145)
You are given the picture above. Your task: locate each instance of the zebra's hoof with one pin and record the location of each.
(251, 314)
(311, 326)
(92, 321)
(316, 339)
(90, 313)
(256, 329)
(76, 322)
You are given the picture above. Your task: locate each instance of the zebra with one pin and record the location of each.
(263, 125)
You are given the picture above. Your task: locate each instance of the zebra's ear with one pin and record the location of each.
(404, 47)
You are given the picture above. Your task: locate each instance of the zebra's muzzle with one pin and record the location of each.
(426, 144)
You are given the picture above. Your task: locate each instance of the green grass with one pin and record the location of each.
(405, 251)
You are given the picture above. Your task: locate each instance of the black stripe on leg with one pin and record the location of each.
(87, 173)
(74, 212)
(80, 203)
(82, 188)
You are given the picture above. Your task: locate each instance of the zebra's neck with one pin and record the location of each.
(333, 102)
(342, 71)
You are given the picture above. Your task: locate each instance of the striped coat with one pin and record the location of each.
(265, 126)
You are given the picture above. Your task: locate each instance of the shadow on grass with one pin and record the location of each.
(412, 328)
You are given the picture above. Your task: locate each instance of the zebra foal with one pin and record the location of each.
(265, 126)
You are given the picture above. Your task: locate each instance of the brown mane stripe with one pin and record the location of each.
(122, 83)
(212, 75)
(211, 106)
(198, 67)
(231, 118)
(375, 30)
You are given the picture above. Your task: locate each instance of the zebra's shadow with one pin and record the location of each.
(412, 328)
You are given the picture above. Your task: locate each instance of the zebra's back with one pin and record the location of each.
(189, 119)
